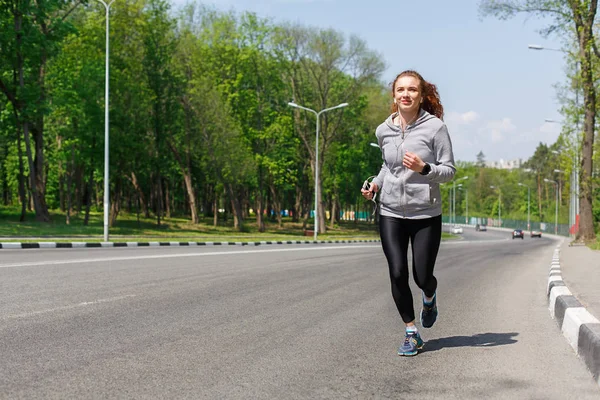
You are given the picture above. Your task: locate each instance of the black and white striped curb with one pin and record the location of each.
(581, 328)
(79, 245)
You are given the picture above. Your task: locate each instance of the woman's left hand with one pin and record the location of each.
(413, 161)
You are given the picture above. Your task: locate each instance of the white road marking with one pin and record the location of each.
(108, 259)
(151, 257)
(69, 307)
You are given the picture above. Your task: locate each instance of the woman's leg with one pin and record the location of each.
(426, 235)
(394, 240)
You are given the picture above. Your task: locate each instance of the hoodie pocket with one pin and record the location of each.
(418, 195)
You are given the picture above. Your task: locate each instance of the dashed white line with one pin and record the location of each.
(63, 308)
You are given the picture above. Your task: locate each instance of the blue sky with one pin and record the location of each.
(495, 91)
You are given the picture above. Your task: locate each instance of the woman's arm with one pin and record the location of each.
(443, 170)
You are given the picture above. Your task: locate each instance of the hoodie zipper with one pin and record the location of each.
(403, 171)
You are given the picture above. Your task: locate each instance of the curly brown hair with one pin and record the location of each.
(431, 98)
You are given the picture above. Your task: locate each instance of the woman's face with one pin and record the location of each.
(407, 94)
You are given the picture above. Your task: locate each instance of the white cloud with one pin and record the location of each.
(550, 127)
(498, 129)
(454, 118)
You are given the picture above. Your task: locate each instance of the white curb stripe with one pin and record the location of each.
(574, 318)
(554, 293)
(557, 278)
(11, 245)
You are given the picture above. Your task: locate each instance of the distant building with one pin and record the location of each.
(504, 164)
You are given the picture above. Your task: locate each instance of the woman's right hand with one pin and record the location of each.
(368, 194)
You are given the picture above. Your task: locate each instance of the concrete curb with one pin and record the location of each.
(581, 328)
(79, 245)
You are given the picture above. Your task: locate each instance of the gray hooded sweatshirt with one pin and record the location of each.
(403, 192)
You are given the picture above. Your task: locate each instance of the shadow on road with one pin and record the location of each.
(479, 340)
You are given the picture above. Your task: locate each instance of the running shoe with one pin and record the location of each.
(429, 313)
(412, 344)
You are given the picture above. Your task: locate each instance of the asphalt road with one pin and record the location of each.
(279, 322)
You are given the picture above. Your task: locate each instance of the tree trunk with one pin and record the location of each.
(321, 214)
(90, 185)
(158, 198)
(5, 194)
(297, 205)
(187, 178)
(186, 171)
(259, 212)
(69, 185)
(61, 177)
(584, 22)
(88, 195)
(22, 190)
(140, 193)
(334, 204)
(115, 206)
(276, 204)
(35, 166)
(216, 211)
(167, 200)
(79, 180)
(238, 219)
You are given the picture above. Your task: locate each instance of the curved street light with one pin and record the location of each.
(574, 195)
(317, 114)
(556, 205)
(454, 197)
(106, 148)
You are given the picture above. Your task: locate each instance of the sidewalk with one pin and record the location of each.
(574, 300)
(581, 273)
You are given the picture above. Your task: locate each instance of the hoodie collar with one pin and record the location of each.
(423, 116)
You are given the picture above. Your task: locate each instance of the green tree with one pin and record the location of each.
(576, 18)
(31, 36)
(328, 69)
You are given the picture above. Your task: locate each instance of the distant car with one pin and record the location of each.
(480, 228)
(457, 229)
(518, 233)
(535, 234)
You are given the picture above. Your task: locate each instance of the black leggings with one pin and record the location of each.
(425, 236)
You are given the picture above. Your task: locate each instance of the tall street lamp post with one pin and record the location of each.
(499, 204)
(573, 187)
(555, 206)
(574, 191)
(106, 149)
(467, 203)
(454, 196)
(317, 114)
(454, 187)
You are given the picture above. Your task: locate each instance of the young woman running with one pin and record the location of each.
(417, 157)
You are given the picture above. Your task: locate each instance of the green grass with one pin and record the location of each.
(128, 228)
(171, 229)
